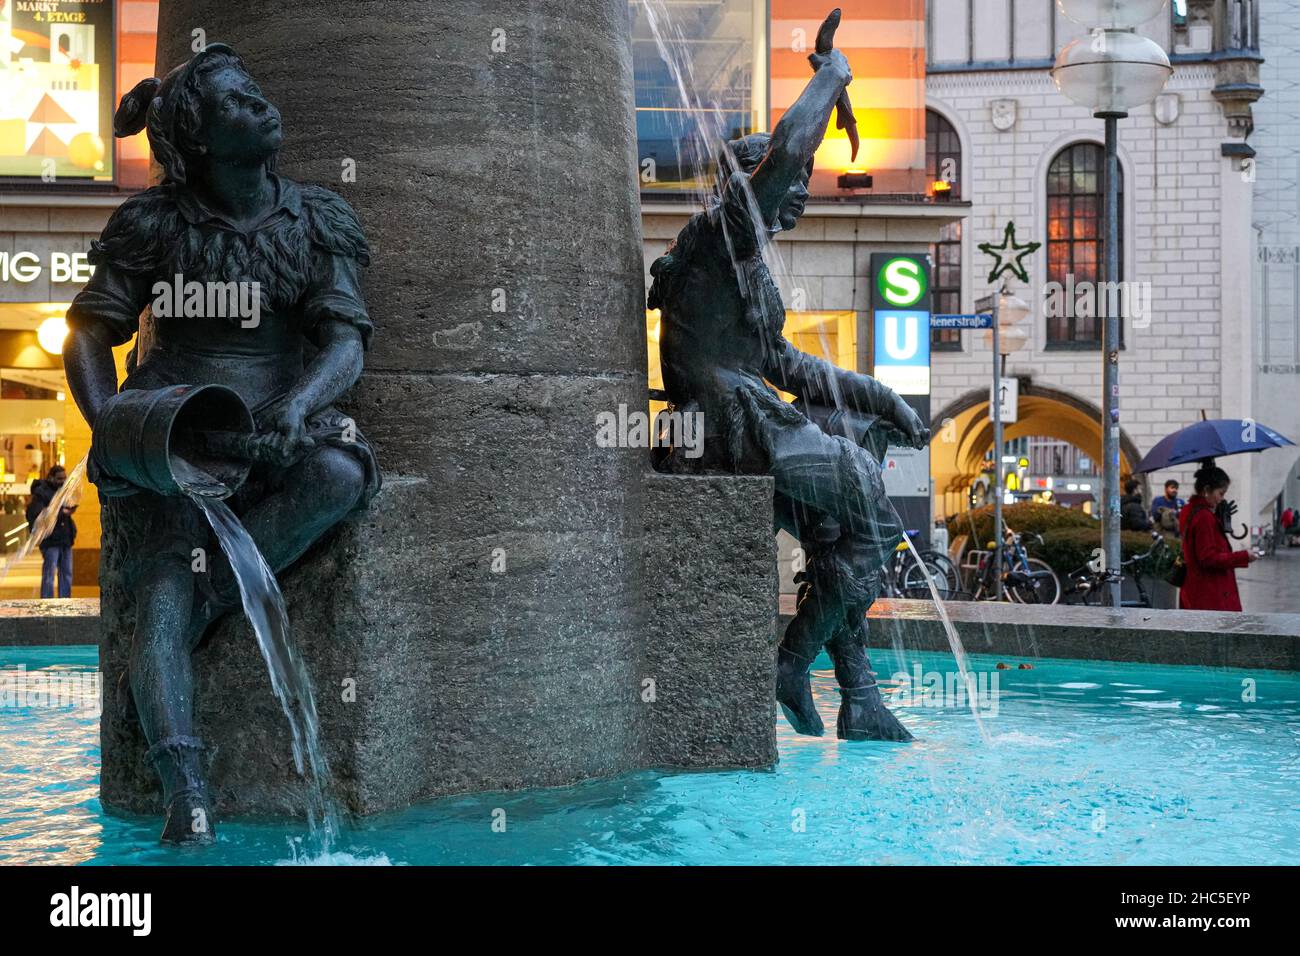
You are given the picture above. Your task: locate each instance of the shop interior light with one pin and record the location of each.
(51, 333)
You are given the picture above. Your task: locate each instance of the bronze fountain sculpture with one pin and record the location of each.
(721, 342)
(238, 401)
(221, 220)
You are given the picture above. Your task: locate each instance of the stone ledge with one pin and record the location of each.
(1197, 638)
(28, 623)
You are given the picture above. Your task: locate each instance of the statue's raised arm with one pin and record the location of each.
(803, 127)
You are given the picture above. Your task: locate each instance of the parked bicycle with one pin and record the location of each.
(1025, 580)
(1087, 585)
(904, 577)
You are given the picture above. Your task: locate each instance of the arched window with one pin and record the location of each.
(943, 162)
(1076, 251)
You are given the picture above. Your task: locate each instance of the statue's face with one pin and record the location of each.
(239, 125)
(796, 198)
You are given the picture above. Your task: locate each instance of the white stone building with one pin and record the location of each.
(1189, 192)
(1276, 233)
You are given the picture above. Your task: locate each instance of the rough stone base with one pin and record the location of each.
(411, 709)
(711, 638)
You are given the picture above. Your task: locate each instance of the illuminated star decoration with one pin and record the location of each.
(1008, 255)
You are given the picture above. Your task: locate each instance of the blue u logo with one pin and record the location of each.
(901, 352)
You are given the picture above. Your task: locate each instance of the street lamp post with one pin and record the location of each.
(1111, 71)
(1006, 335)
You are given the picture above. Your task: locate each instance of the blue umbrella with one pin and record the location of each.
(1211, 439)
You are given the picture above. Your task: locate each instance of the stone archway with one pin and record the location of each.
(963, 432)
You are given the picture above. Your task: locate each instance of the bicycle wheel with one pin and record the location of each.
(1044, 588)
(951, 574)
(913, 583)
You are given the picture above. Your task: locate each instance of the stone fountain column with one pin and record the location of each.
(493, 620)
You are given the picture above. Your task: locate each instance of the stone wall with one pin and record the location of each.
(410, 710)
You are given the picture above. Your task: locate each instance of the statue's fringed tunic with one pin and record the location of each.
(305, 255)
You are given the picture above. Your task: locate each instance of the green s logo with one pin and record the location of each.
(901, 282)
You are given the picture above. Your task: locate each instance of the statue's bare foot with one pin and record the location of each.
(794, 694)
(864, 716)
(189, 821)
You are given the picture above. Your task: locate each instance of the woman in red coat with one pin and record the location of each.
(1211, 583)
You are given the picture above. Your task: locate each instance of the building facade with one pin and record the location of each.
(1012, 149)
(62, 173)
(1191, 328)
(1276, 232)
(962, 132)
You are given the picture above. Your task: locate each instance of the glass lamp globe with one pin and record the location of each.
(1012, 312)
(1118, 14)
(1011, 338)
(1111, 72)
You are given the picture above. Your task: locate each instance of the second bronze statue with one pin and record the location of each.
(722, 342)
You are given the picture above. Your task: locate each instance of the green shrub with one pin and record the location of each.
(1068, 549)
(1026, 517)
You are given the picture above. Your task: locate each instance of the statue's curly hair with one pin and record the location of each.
(171, 108)
(746, 153)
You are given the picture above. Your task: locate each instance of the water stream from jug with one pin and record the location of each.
(265, 608)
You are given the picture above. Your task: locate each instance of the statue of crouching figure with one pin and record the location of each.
(223, 219)
(721, 343)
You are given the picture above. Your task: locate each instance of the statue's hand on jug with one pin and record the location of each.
(282, 434)
(107, 484)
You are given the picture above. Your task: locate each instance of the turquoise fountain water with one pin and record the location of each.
(1088, 762)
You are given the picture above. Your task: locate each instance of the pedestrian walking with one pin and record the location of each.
(1211, 582)
(56, 547)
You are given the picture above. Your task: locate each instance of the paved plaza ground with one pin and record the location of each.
(1272, 585)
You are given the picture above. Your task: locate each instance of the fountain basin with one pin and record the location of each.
(1089, 763)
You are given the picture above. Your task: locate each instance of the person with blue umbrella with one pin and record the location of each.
(1209, 439)
(1210, 583)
